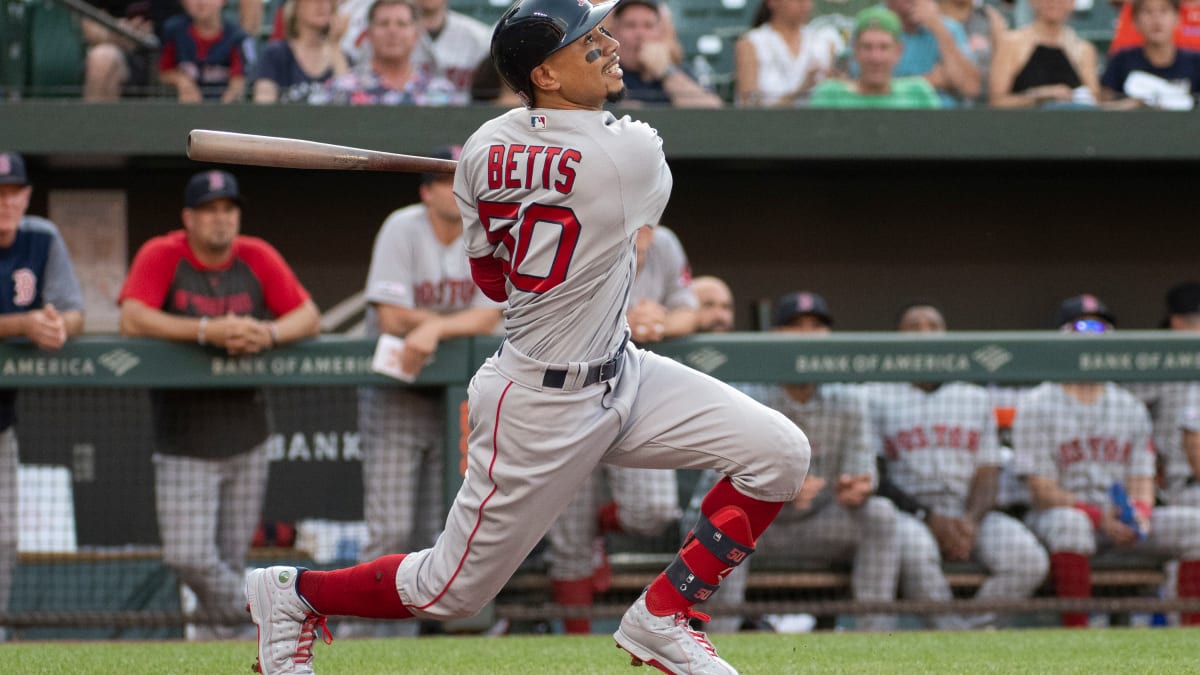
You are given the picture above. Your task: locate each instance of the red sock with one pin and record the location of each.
(1189, 587)
(607, 520)
(367, 590)
(574, 593)
(1072, 574)
(662, 598)
(760, 513)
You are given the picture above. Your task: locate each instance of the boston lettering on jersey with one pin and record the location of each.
(1094, 449)
(936, 436)
(532, 167)
(444, 293)
(234, 290)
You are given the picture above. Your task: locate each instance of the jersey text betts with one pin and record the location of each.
(517, 166)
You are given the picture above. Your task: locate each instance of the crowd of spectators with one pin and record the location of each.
(896, 54)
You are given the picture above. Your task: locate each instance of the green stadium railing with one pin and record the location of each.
(107, 366)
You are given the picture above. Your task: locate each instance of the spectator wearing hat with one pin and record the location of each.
(40, 301)
(877, 45)
(835, 517)
(1073, 441)
(229, 293)
(651, 74)
(934, 47)
(1175, 407)
(419, 288)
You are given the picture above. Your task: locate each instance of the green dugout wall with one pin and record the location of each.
(995, 214)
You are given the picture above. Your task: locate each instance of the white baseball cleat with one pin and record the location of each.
(668, 642)
(286, 624)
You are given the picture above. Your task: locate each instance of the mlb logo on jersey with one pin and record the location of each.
(537, 121)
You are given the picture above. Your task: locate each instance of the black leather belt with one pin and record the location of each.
(555, 378)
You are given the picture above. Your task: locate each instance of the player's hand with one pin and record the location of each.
(419, 344)
(853, 490)
(1117, 532)
(949, 537)
(656, 58)
(647, 321)
(964, 529)
(808, 492)
(46, 328)
(242, 335)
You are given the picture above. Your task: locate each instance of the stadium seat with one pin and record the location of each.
(12, 57)
(55, 50)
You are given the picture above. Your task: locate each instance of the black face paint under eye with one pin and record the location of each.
(592, 55)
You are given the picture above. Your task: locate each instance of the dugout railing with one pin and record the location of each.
(82, 424)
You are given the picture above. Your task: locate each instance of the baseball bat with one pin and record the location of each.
(227, 147)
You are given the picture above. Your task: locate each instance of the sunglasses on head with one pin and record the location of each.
(1086, 326)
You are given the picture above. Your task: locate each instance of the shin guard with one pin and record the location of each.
(717, 545)
(367, 590)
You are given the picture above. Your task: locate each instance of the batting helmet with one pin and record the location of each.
(532, 30)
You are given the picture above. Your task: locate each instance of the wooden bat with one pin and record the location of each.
(227, 147)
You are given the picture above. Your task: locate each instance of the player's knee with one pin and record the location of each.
(1067, 530)
(794, 454)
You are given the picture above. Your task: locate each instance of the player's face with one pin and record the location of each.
(636, 26)
(805, 323)
(877, 53)
(1156, 21)
(715, 314)
(14, 200)
(212, 226)
(922, 319)
(393, 32)
(438, 197)
(587, 72)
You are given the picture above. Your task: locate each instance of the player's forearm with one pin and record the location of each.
(1046, 494)
(477, 321)
(14, 325)
(1191, 450)
(73, 320)
(679, 322)
(985, 485)
(139, 320)
(302, 322)
(396, 320)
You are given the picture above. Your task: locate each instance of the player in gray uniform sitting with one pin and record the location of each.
(835, 518)
(941, 465)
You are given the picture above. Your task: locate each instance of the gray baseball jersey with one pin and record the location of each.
(1085, 447)
(665, 276)
(934, 441)
(402, 427)
(532, 171)
(556, 197)
(1174, 407)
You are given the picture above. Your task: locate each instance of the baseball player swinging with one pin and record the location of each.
(552, 197)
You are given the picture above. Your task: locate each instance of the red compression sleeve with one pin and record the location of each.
(488, 273)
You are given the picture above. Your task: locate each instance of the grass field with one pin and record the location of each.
(1016, 651)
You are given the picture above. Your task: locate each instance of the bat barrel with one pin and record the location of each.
(291, 153)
